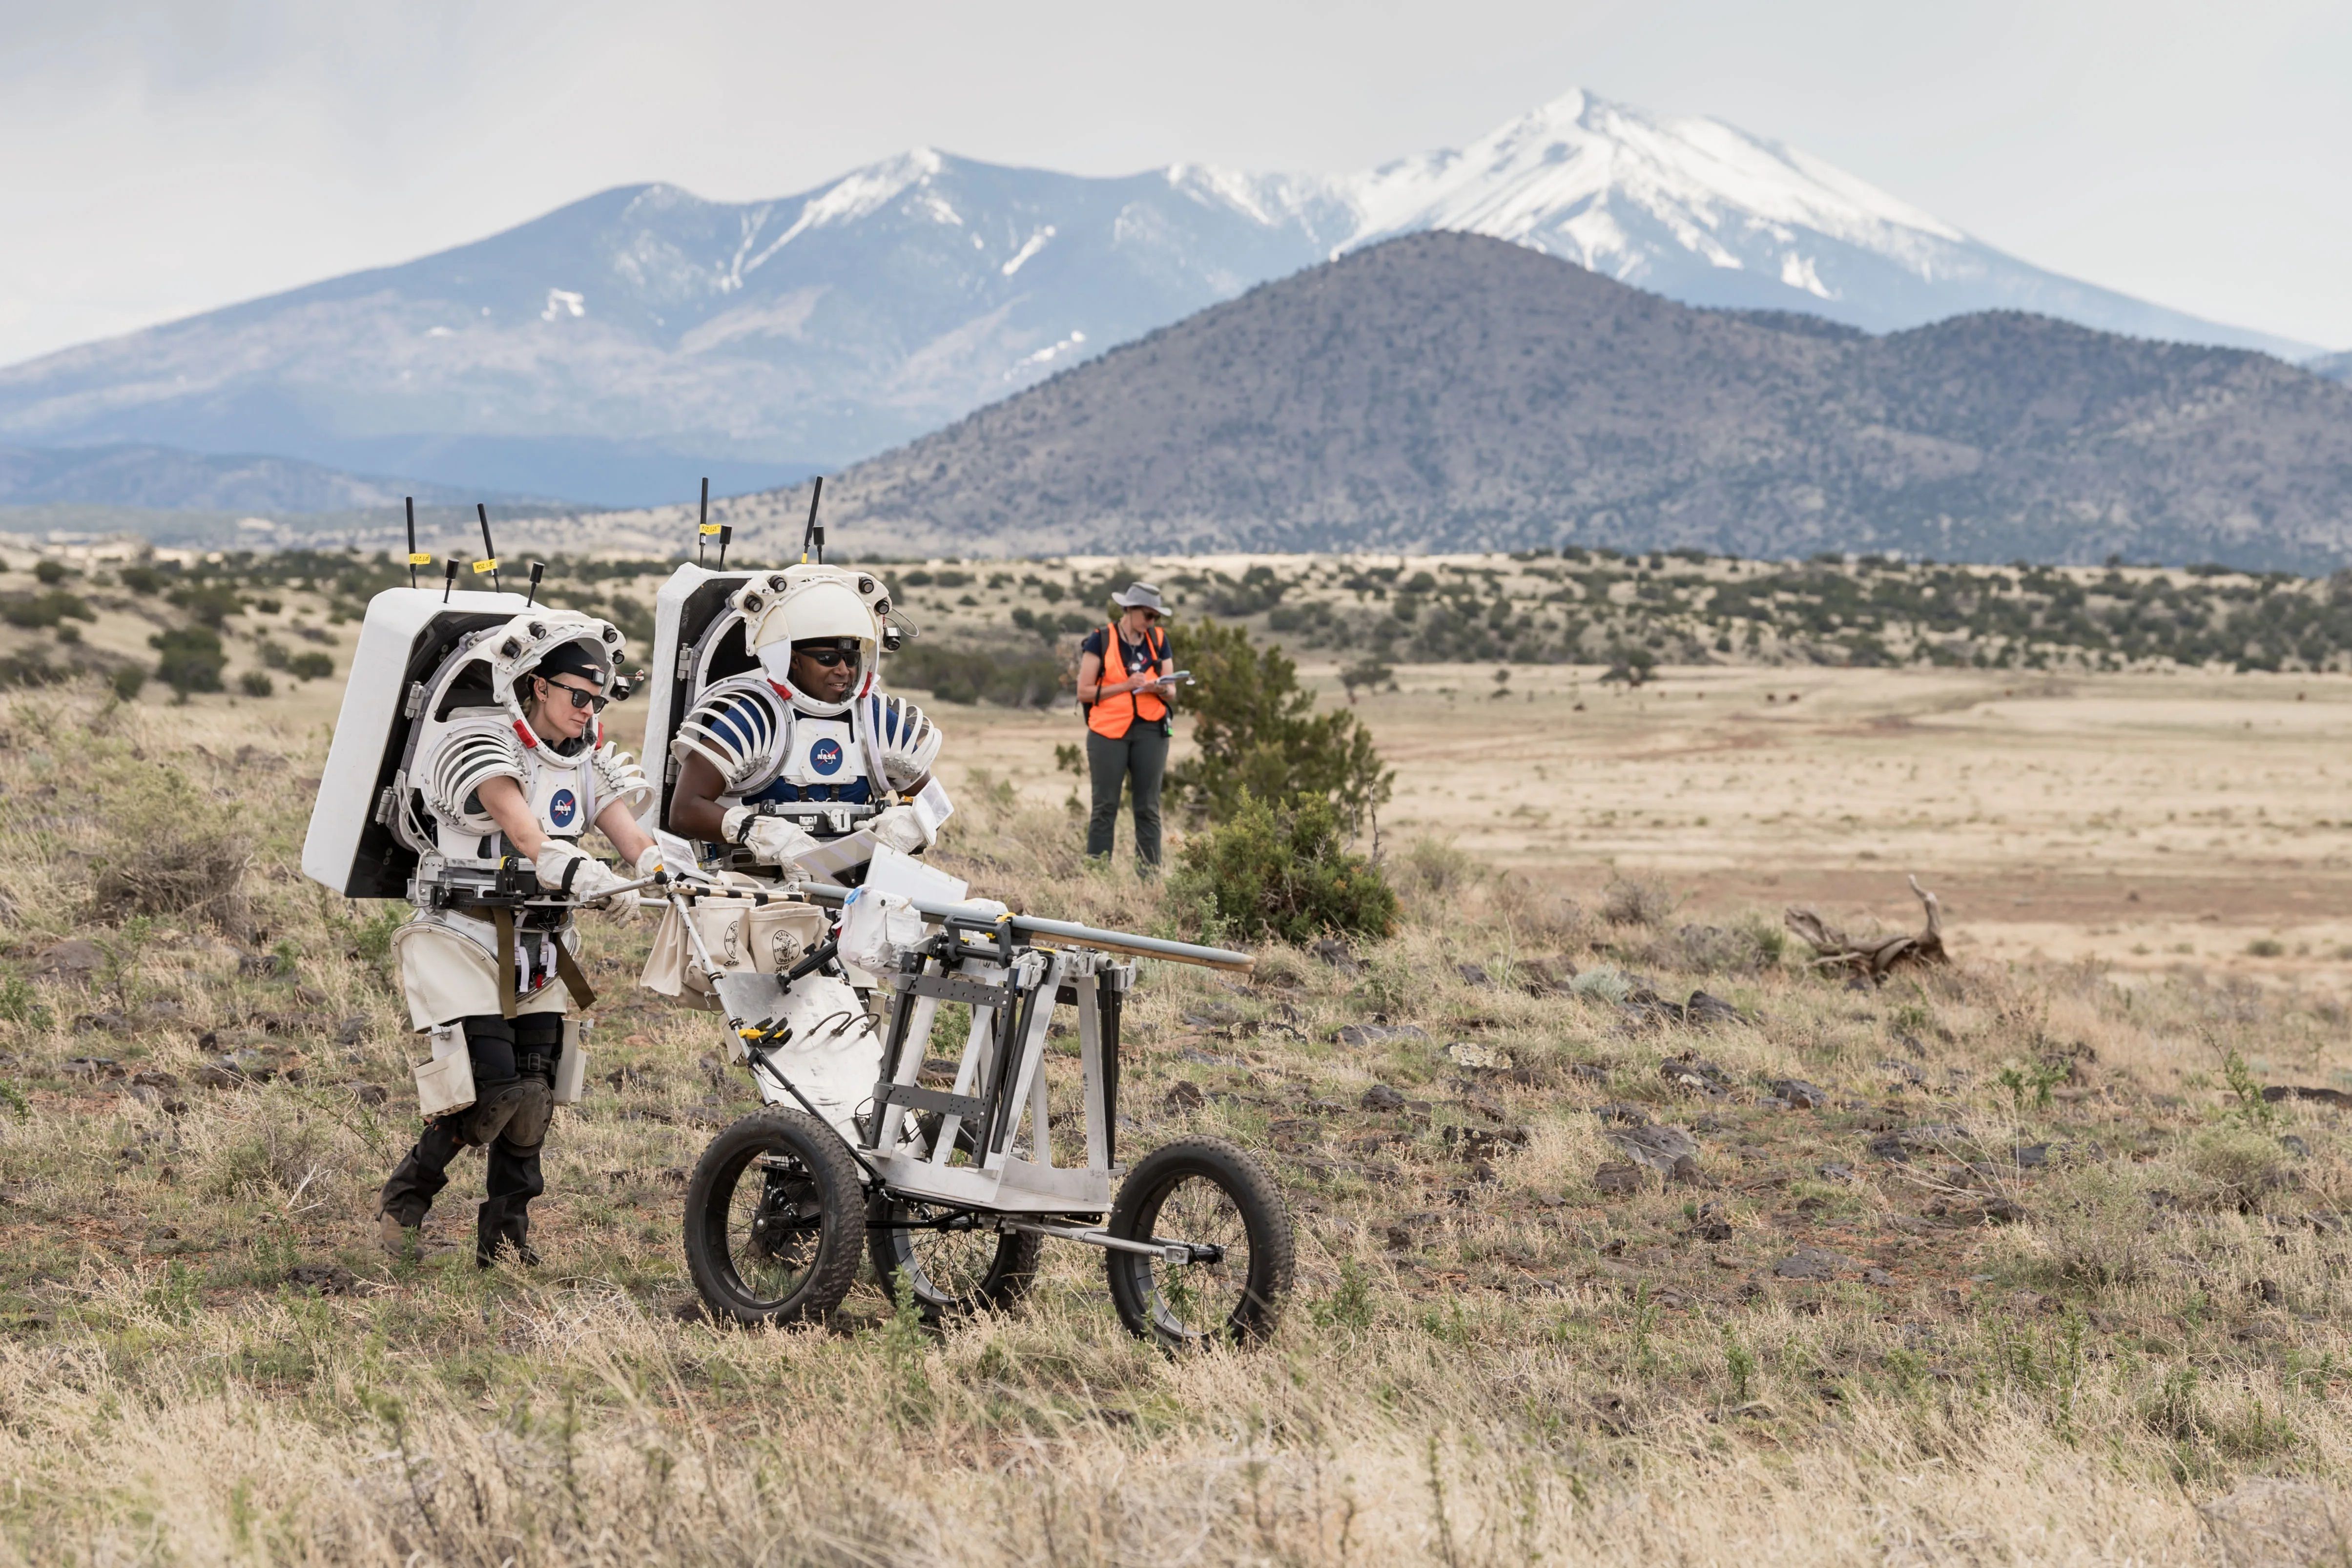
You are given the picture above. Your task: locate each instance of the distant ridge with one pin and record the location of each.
(1448, 391)
(164, 479)
(614, 351)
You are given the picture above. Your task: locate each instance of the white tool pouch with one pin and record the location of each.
(447, 1082)
(876, 928)
(572, 1066)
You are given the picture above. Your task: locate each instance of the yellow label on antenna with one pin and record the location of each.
(482, 566)
(709, 528)
(420, 560)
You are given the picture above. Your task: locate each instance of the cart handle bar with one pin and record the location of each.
(1066, 933)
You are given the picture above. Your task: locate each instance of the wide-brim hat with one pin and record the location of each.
(1140, 596)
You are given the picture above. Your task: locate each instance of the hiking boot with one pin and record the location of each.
(509, 1251)
(397, 1239)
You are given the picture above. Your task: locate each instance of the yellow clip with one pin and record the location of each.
(748, 1034)
(420, 561)
(709, 528)
(482, 566)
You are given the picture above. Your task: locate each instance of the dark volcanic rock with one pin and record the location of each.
(1811, 1263)
(1334, 953)
(1379, 1034)
(69, 958)
(1618, 1181)
(1703, 1009)
(1798, 1093)
(1659, 1148)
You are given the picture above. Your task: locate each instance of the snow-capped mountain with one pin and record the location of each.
(620, 347)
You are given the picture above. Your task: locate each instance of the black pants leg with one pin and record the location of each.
(1138, 759)
(515, 1128)
(418, 1179)
(1147, 761)
(514, 1098)
(1107, 772)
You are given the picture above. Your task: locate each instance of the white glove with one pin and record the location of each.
(771, 841)
(901, 829)
(563, 867)
(649, 861)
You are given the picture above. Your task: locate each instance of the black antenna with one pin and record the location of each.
(489, 561)
(448, 578)
(816, 492)
(726, 535)
(706, 527)
(538, 570)
(415, 560)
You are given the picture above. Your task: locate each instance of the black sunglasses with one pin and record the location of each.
(824, 658)
(581, 697)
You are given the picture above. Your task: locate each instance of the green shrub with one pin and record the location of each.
(192, 659)
(1257, 732)
(142, 579)
(207, 603)
(36, 610)
(30, 669)
(1282, 871)
(256, 683)
(51, 572)
(1021, 678)
(128, 681)
(310, 666)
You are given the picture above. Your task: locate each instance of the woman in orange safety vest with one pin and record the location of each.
(1127, 718)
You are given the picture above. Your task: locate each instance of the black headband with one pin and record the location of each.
(574, 658)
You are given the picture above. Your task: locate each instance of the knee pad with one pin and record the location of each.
(534, 1108)
(495, 1105)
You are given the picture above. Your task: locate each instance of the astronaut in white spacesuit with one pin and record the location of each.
(511, 777)
(805, 750)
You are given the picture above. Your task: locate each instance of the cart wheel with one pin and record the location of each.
(1209, 1192)
(774, 1214)
(962, 1266)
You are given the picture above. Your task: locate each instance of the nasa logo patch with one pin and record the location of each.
(563, 808)
(825, 757)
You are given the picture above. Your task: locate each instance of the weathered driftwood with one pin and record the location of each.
(1873, 956)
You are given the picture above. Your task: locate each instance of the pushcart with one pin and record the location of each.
(954, 1190)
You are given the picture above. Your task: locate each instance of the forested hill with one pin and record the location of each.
(1446, 391)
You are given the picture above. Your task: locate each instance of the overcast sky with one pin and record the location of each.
(160, 160)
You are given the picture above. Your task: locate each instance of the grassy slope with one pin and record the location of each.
(1478, 1365)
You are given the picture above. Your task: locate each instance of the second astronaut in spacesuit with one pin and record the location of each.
(806, 750)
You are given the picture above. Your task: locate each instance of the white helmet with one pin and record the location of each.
(807, 602)
(523, 643)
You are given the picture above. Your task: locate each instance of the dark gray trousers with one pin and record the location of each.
(514, 1088)
(1139, 756)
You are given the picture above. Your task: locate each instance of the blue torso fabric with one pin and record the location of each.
(844, 781)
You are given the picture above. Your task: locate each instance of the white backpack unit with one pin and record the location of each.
(406, 640)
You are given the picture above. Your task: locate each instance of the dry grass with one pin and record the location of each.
(1487, 1360)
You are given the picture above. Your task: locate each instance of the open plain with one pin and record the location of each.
(2009, 1261)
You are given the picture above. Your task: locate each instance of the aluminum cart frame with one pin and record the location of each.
(975, 1161)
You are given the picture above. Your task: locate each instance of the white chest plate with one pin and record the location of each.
(562, 792)
(821, 751)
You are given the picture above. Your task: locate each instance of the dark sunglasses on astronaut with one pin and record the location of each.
(580, 697)
(827, 655)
